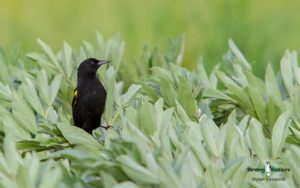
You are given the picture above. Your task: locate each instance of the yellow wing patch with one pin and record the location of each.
(75, 98)
(75, 93)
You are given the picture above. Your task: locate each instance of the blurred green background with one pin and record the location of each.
(263, 30)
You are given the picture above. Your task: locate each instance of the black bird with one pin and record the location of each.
(89, 96)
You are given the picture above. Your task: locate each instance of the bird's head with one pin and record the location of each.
(90, 66)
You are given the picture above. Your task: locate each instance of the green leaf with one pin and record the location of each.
(222, 136)
(195, 140)
(287, 73)
(47, 50)
(151, 163)
(162, 122)
(241, 130)
(126, 184)
(23, 114)
(239, 176)
(51, 115)
(186, 98)
(108, 180)
(67, 59)
(255, 82)
(132, 91)
(239, 55)
(232, 168)
(100, 44)
(5, 92)
(110, 87)
(150, 92)
(137, 172)
(258, 139)
(214, 93)
(10, 152)
(280, 133)
(71, 154)
(209, 133)
(272, 111)
(292, 157)
(10, 126)
(258, 103)
(272, 88)
(214, 178)
(167, 176)
(43, 86)
(31, 96)
(42, 60)
(117, 53)
(147, 118)
(30, 166)
(236, 91)
(168, 93)
(89, 49)
(162, 74)
(188, 169)
(181, 112)
(82, 54)
(4, 71)
(76, 135)
(295, 67)
(203, 76)
(54, 87)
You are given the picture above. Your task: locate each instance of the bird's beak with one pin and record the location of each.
(102, 62)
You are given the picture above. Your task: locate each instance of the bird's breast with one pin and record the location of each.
(92, 91)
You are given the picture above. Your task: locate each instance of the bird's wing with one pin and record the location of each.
(75, 98)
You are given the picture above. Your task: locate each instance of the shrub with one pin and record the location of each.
(172, 127)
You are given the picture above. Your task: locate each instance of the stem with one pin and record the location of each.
(117, 115)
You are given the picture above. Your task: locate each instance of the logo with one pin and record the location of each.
(268, 173)
(268, 169)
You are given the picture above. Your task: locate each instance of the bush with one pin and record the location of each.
(171, 127)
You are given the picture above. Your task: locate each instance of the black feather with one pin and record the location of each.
(89, 96)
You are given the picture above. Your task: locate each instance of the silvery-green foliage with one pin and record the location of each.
(172, 127)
